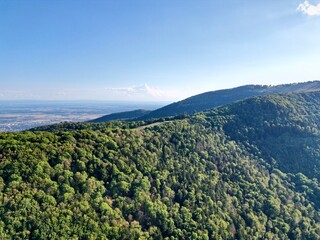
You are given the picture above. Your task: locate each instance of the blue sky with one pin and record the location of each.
(151, 50)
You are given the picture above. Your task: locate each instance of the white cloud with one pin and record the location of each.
(155, 92)
(307, 8)
(60, 93)
(126, 90)
(141, 90)
(9, 94)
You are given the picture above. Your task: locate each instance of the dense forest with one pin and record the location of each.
(248, 170)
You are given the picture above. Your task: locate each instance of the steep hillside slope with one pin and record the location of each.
(224, 174)
(285, 129)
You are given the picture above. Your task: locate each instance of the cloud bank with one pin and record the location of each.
(140, 90)
(307, 8)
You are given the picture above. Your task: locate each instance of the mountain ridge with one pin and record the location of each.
(211, 99)
(122, 116)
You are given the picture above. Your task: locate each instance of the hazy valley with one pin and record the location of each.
(22, 115)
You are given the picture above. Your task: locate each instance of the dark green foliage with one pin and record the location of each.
(285, 129)
(202, 177)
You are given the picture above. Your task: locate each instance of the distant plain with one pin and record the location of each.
(22, 115)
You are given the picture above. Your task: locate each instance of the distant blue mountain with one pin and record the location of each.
(209, 100)
(129, 115)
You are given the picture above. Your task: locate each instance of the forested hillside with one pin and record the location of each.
(285, 129)
(249, 170)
